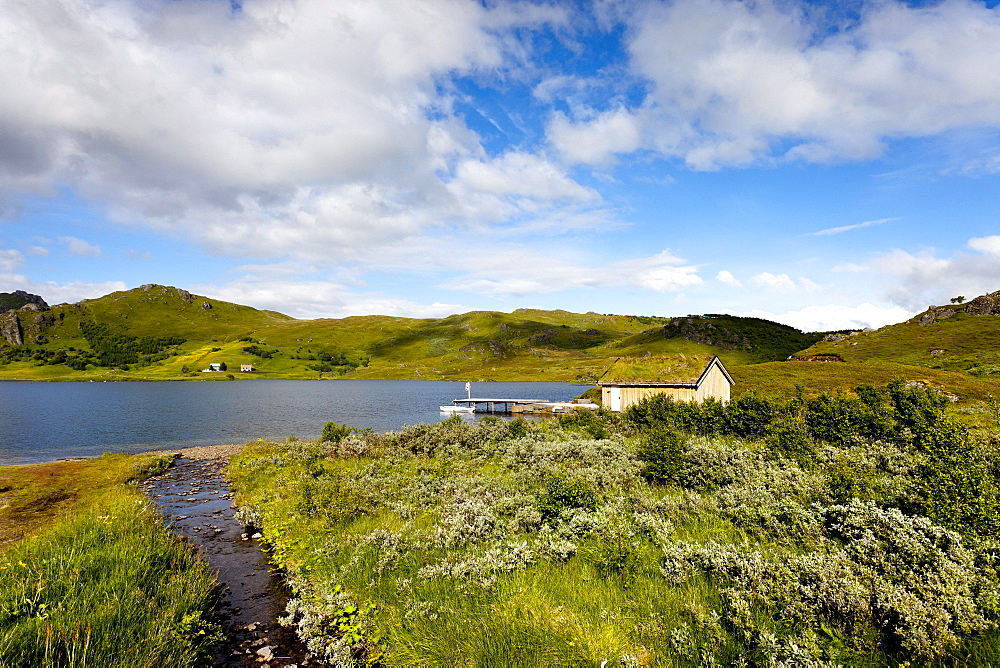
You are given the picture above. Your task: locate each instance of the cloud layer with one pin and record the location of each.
(337, 142)
(736, 83)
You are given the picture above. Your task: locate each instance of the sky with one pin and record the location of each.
(829, 165)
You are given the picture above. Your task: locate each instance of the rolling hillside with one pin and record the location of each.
(959, 337)
(159, 333)
(163, 333)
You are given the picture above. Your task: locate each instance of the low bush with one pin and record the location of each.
(673, 535)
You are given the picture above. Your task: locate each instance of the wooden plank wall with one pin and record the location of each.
(715, 385)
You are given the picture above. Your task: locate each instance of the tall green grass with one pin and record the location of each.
(105, 584)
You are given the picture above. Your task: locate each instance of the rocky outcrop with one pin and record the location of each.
(988, 304)
(37, 325)
(704, 332)
(816, 358)
(935, 314)
(544, 336)
(167, 291)
(836, 337)
(984, 304)
(19, 299)
(10, 328)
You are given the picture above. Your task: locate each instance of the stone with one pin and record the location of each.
(934, 314)
(10, 328)
(988, 304)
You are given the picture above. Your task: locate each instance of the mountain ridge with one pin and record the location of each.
(157, 332)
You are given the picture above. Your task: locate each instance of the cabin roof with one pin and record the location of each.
(663, 371)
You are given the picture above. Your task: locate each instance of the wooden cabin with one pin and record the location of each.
(684, 377)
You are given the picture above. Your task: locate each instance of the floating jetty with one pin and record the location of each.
(523, 406)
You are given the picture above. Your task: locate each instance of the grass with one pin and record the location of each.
(528, 344)
(966, 342)
(36, 496)
(781, 378)
(450, 544)
(89, 574)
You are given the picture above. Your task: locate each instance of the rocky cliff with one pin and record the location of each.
(20, 298)
(18, 305)
(698, 330)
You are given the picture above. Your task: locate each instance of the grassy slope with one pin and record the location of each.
(528, 344)
(902, 350)
(967, 342)
(779, 378)
(89, 574)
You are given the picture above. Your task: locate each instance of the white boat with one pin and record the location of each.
(455, 408)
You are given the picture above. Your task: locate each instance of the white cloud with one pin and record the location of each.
(10, 259)
(663, 272)
(847, 228)
(310, 299)
(597, 139)
(771, 281)
(58, 293)
(835, 317)
(915, 280)
(988, 245)
(38, 250)
(728, 278)
(310, 129)
(76, 246)
(515, 271)
(733, 83)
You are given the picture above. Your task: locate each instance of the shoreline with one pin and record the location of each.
(202, 452)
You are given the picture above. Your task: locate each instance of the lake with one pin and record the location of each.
(48, 421)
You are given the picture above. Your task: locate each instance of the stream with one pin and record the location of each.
(196, 499)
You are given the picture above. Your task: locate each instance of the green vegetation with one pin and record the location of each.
(847, 528)
(162, 333)
(158, 332)
(961, 343)
(89, 575)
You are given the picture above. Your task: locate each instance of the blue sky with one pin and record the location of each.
(828, 165)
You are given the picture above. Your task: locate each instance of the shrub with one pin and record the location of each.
(333, 432)
(789, 438)
(562, 492)
(662, 452)
(751, 416)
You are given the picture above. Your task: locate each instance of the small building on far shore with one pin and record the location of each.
(246, 367)
(683, 377)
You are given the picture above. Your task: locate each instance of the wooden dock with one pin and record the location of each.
(490, 405)
(517, 406)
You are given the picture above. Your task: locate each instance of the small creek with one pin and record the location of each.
(197, 500)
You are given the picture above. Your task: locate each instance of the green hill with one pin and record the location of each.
(959, 337)
(159, 333)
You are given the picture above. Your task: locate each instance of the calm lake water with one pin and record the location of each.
(47, 421)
